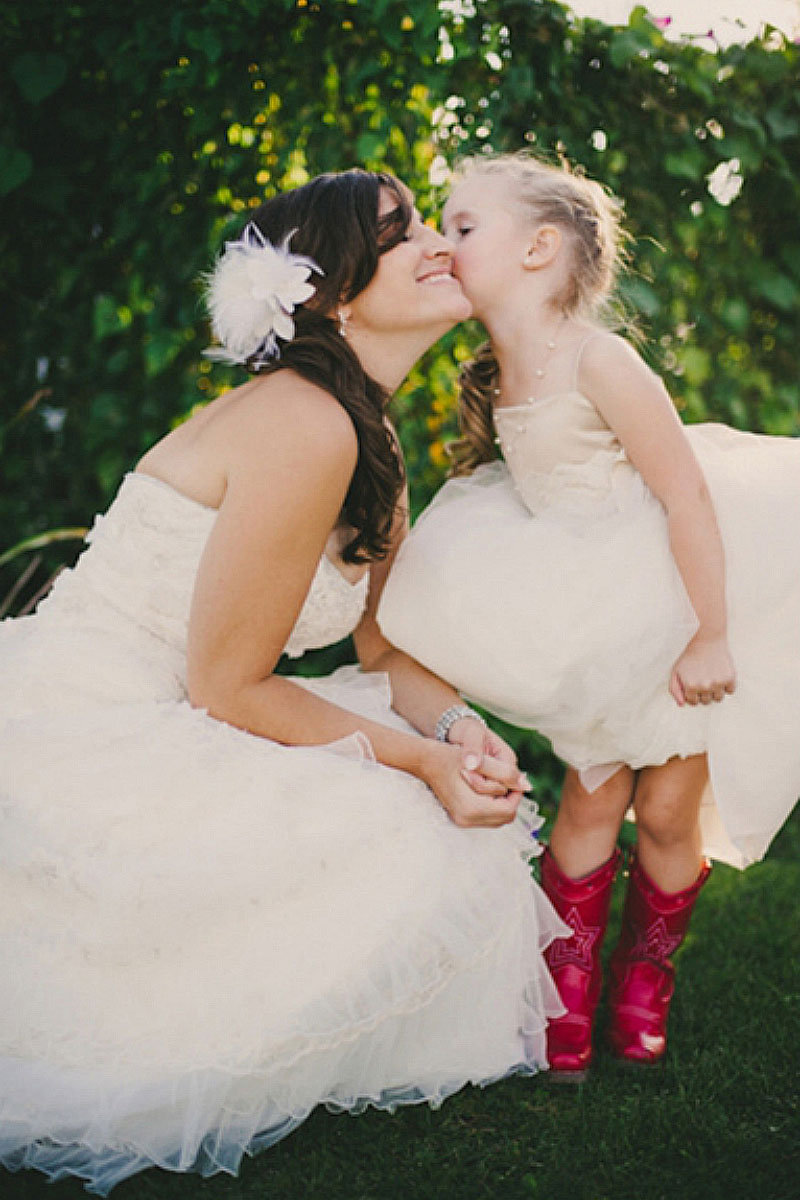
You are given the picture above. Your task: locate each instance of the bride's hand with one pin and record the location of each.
(704, 673)
(481, 743)
(445, 769)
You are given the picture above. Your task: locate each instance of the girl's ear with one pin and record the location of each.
(543, 247)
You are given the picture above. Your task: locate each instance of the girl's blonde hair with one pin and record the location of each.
(591, 217)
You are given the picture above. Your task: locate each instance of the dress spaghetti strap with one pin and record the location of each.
(590, 337)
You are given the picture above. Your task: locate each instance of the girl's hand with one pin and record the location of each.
(704, 673)
(445, 768)
(481, 743)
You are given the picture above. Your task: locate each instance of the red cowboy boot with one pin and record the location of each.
(575, 962)
(654, 924)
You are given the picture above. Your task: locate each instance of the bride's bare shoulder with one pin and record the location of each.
(275, 427)
(285, 414)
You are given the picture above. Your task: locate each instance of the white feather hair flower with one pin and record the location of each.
(251, 294)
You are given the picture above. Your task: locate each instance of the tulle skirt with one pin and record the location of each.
(205, 934)
(570, 621)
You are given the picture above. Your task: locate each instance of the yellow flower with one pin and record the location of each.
(438, 455)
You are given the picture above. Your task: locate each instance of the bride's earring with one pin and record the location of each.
(344, 319)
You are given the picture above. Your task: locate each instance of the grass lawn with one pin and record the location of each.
(720, 1121)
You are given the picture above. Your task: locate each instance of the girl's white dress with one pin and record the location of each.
(204, 934)
(544, 588)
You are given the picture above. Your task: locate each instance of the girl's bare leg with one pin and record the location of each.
(667, 806)
(586, 827)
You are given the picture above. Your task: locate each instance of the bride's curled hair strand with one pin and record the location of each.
(336, 222)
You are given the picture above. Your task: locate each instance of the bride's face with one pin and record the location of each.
(488, 238)
(414, 288)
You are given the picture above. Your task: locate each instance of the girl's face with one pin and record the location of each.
(414, 287)
(490, 239)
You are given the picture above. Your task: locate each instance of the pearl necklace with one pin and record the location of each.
(540, 371)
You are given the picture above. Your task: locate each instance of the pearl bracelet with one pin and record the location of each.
(449, 718)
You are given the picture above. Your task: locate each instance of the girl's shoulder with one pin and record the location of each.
(596, 342)
(603, 355)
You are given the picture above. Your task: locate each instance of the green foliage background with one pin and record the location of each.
(133, 138)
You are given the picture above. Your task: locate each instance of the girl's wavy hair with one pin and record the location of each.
(337, 225)
(591, 217)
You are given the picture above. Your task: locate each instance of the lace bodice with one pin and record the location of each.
(142, 562)
(561, 453)
(332, 609)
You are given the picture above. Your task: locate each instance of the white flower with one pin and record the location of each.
(725, 181)
(252, 293)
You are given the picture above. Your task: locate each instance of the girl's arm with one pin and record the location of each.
(290, 453)
(636, 405)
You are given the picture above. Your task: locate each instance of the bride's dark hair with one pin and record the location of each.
(336, 220)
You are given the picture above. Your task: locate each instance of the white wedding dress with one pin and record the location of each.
(204, 934)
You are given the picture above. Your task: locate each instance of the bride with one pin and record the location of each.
(226, 895)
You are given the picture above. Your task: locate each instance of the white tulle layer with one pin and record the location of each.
(205, 934)
(569, 622)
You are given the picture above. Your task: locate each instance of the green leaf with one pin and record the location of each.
(780, 290)
(15, 167)
(109, 317)
(781, 124)
(736, 314)
(639, 19)
(626, 45)
(771, 67)
(160, 350)
(207, 41)
(378, 9)
(739, 413)
(370, 146)
(748, 120)
(641, 295)
(692, 405)
(108, 469)
(119, 363)
(39, 75)
(688, 164)
(790, 255)
(107, 417)
(696, 365)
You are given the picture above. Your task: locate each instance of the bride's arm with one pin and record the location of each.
(290, 455)
(419, 695)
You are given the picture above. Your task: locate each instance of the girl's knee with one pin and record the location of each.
(606, 804)
(663, 822)
(667, 801)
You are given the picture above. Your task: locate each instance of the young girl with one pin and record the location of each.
(628, 587)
